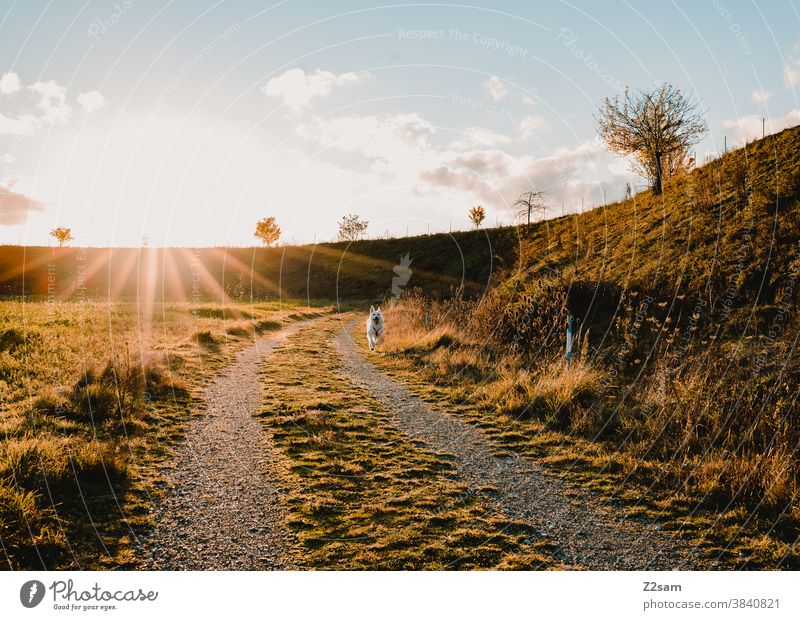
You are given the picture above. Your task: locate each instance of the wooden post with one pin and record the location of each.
(569, 340)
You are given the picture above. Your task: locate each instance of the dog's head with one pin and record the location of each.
(375, 315)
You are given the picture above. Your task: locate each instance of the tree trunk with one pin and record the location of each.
(657, 187)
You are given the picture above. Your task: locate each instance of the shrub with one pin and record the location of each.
(29, 531)
(11, 339)
(206, 340)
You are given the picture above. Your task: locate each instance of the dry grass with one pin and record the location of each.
(683, 395)
(361, 495)
(708, 449)
(554, 394)
(93, 395)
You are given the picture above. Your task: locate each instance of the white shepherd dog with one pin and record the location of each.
(374, 327)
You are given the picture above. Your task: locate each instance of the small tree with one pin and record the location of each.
(268, 231)
(476, 215)
(656, 127)
(532, 201)
(352, 228)
(62, 235)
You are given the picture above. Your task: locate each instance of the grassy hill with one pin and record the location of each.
(728, 230)
(682, 398)
(362, 270)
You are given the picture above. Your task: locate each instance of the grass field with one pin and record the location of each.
(680, 404)
(361, 495)
(94, 394)
(682, 396)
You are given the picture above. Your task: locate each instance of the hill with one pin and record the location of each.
(361, 270)
(681, 400)
(726, 233)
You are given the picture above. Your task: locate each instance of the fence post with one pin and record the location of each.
(569, 340)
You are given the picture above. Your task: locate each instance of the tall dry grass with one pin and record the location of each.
(698, 420)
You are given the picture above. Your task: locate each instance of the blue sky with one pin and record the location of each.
(185, 122)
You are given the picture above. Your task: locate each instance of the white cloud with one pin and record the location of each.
(21, 126)
(528, 100)
(529, 125)
(495, 88)
(485, 163)
(748, 128)
(383, 136)
(9, 83)
(52, 102)
(16, 207)
(91, 101)
(297, 89)
(791, 71)
(761, 96)
(567, 175)
(478, 137)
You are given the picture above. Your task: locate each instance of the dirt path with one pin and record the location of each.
(223, 508)
(588, 534)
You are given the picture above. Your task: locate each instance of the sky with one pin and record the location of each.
(183, 123)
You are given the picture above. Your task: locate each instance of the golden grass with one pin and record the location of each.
(554, 393)
(670, 450)
(360, 494)
(93, 396)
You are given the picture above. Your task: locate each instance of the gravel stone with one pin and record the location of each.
(222, 509)
(588, 533)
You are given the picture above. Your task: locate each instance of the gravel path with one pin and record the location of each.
(223, 510)
(587, 533)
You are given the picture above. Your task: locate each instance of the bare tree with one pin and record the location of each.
(268, 231)
(672, 164)
(657, 128)
(532, 201)
(62, 235)
(352, 228)
(476, 215)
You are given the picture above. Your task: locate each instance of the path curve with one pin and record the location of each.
(587, 533)
(223, 509)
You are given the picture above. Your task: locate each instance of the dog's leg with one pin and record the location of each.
(371, 341)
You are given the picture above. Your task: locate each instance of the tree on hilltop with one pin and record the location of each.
(268, 231)
(476, 215)
(530, 202)
(62, 235)
(657, 127)
(352, 228)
